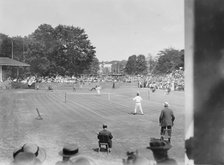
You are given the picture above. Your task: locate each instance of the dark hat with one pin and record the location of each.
(39, 152)
(26, 158)
(158, 144)
(69, 150)
(104, 126)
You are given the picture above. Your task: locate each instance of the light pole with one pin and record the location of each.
(12, 49)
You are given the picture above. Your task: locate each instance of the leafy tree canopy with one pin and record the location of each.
(169, 60)
(64, 50)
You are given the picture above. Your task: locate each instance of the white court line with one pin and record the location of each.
(145, 100)
(87, 93)
(88, 109)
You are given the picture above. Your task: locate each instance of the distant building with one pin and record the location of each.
(5, 61)
(105, 68)
(112, 67)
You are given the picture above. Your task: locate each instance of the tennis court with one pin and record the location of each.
(76, 117)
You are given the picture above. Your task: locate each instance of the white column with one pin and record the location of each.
(189, 85)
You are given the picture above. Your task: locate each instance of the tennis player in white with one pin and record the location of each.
(98, 88)
(138, 104)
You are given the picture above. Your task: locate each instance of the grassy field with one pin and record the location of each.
(79, 119)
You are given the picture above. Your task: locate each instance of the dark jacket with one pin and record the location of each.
(166, 117)
(105, 136)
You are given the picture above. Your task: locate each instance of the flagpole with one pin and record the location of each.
(12, 49)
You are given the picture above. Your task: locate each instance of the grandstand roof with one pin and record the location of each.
(5, 61)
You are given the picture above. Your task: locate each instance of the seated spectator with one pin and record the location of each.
(30, 148)
(26, 158)
(133, 158)
(68, 151)
(160, 148)
(105, 136)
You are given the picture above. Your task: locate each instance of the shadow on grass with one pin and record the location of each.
(99, 150)
(132, 113)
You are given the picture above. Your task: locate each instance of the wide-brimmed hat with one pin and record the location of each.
(69, 150)
(26, 158)
(158, 144)
(39, 152)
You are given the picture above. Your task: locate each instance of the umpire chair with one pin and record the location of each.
(104, 143)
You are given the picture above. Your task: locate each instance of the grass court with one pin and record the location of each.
(80, 117)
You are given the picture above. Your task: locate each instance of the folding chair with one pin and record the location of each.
(103, 141)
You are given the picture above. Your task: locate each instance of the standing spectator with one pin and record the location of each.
(105, 136)
(68, 151)
(138, 104)
(166, 120)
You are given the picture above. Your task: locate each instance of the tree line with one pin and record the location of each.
(66, 50)
(63, 50)
(165, 62)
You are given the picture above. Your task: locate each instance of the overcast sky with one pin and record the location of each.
(117, 28)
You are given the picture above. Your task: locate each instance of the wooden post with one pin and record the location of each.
(38, 113)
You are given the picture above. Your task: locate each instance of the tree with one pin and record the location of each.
(141, 65)
(63, 50)
(75, 50)
(169, 60)
(130, 67)
(5, 46)
(37, 58)
(94, 67)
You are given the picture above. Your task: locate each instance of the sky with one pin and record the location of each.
(117, 28)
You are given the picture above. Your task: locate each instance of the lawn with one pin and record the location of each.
(80, 117)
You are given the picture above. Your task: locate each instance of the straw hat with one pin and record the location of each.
(69, 150)
(31, 148)
(26, 158)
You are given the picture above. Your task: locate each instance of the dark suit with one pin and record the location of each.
(166, 119)
(105, 136)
